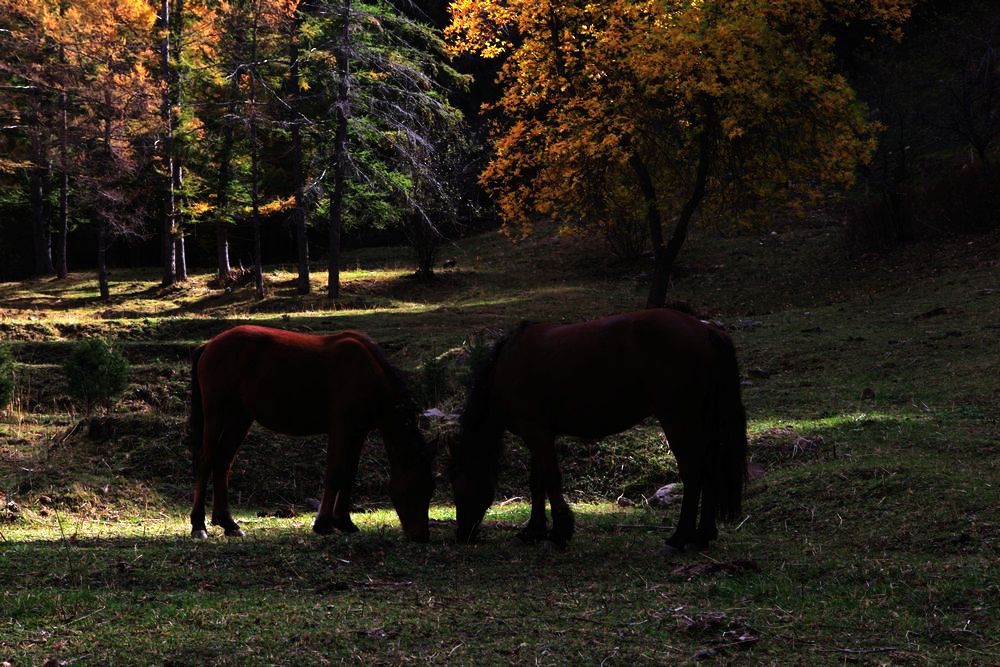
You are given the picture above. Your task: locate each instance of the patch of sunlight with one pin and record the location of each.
(518, 508)
(842, 421)
(371, 275)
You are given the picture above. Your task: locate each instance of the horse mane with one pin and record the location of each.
(477, 404)
(402, 403)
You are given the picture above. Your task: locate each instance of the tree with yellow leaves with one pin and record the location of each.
(97, 82)
(674, 104)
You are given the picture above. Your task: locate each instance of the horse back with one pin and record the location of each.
(291, 382)
(595, 378)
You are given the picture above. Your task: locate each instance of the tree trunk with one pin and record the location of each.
(177, 170)
(424, 239)
(664, 256)
(103, 235)
(339, 154)
(39, 219)
(222, 188)
(222, 248)
(224, 177)
(182, 271)
(102, 260)
(254, 168)
(39, 176)
(299, 216)
(62, 230)
(255, 211)
(166, 114)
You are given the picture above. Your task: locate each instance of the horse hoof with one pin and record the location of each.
(668, 550)
(199, 534)
(345, 525)
(467, 538)
(234, 532)
(323, 526)
(532, 535)
(559, 544)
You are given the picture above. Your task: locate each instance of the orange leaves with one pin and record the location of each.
(587, 85)
(274, 207)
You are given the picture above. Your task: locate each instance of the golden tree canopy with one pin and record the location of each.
(745, 88)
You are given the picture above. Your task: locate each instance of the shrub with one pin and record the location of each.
(6, 377)
(95, 373)
(963, 200)
(434, 380)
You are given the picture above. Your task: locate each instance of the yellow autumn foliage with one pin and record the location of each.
(589, 87)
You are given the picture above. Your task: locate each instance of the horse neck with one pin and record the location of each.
(397, 421)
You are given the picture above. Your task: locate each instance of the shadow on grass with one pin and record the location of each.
(272, 555)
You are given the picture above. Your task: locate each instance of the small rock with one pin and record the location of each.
(9, 512)
(749, 325)
(313, 503)
(667, 495)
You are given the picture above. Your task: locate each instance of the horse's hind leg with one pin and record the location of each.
(537, 528)
(233, 433)
(707, 530)
(203, 469)
(342, 456)
(686, 448)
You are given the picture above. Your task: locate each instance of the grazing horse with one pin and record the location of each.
(594, 379)
(297, 384)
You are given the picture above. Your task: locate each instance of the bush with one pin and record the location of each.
(6, 377)
(478, 350)
(963, 200)
(959, 200)
(95, 373)
(434, 381)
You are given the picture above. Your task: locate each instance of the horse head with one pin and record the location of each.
(411, 485)
(473, 479)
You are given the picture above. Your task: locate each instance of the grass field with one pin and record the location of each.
(871, 536)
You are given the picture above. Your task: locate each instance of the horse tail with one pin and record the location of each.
(196, 422)
(728, 461)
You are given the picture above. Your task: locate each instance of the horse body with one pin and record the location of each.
(299, 384)
(597, 378)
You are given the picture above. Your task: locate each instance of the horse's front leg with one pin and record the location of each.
(537, 528)
(543, 447)
(228, 444)
(342, 456)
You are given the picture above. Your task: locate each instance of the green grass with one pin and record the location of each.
(871, 537)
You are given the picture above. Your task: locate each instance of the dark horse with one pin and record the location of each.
(298, 384)
(596, 378)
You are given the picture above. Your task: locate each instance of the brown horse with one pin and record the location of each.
(298, 384)
(594, 379)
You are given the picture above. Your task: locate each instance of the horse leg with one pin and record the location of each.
(537, 528)
(211, 434)
(342, 457)
(563, 524)
(707, 530)
(233, 432)
(686, 451)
